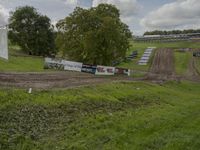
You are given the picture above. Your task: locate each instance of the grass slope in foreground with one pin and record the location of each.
(134, 115)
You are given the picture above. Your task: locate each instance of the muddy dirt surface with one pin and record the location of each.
(192, 72)
(53, 80)
(163, 65)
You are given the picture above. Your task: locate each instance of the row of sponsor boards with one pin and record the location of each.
(80, 67)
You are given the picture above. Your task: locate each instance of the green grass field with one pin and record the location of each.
(182, 60)
(22, 64)
(134, 115)
(19, 62)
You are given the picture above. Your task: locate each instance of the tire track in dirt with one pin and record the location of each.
(54, 80)
(192, 72)
(163, 65)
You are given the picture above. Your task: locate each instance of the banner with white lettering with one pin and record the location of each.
(53, 64)
(89, 69)
(72, 66)
(104, 70)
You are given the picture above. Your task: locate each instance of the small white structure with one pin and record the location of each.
(3, 43)
(30, 91)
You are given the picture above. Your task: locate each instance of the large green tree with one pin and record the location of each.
(32, 31)
(95, 36)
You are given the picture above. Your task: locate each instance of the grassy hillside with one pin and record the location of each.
(18, 61)
(135, 115)
(182, 60)
(22, 64)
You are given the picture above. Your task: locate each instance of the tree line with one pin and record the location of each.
(94, 36)
(158, 32)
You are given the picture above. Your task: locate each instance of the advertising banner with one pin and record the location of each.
(122, 71)
(89, 69)
(104, 70)
(3, 44)
(72, 66)
(60, 64)
(53, 64)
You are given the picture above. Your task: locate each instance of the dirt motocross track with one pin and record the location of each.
(192, 72)
(163, 65)
(53, 80)
(162, 69)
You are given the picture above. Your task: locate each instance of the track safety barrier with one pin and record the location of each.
(59, 64)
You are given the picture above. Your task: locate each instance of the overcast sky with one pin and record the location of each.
(140, 15)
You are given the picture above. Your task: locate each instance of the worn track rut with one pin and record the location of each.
(53, 80)
(163, 65)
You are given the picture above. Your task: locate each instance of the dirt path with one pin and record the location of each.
(53, 80)
(192, 72)
(163, 65)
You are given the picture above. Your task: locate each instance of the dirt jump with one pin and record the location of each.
(53, 80)
(162, 65)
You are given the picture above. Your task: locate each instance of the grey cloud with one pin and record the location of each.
(59, 9)
(4, 13)
(177, 15)
(55, 9)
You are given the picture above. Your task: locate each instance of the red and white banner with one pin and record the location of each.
(122, 71)
(105, 70)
